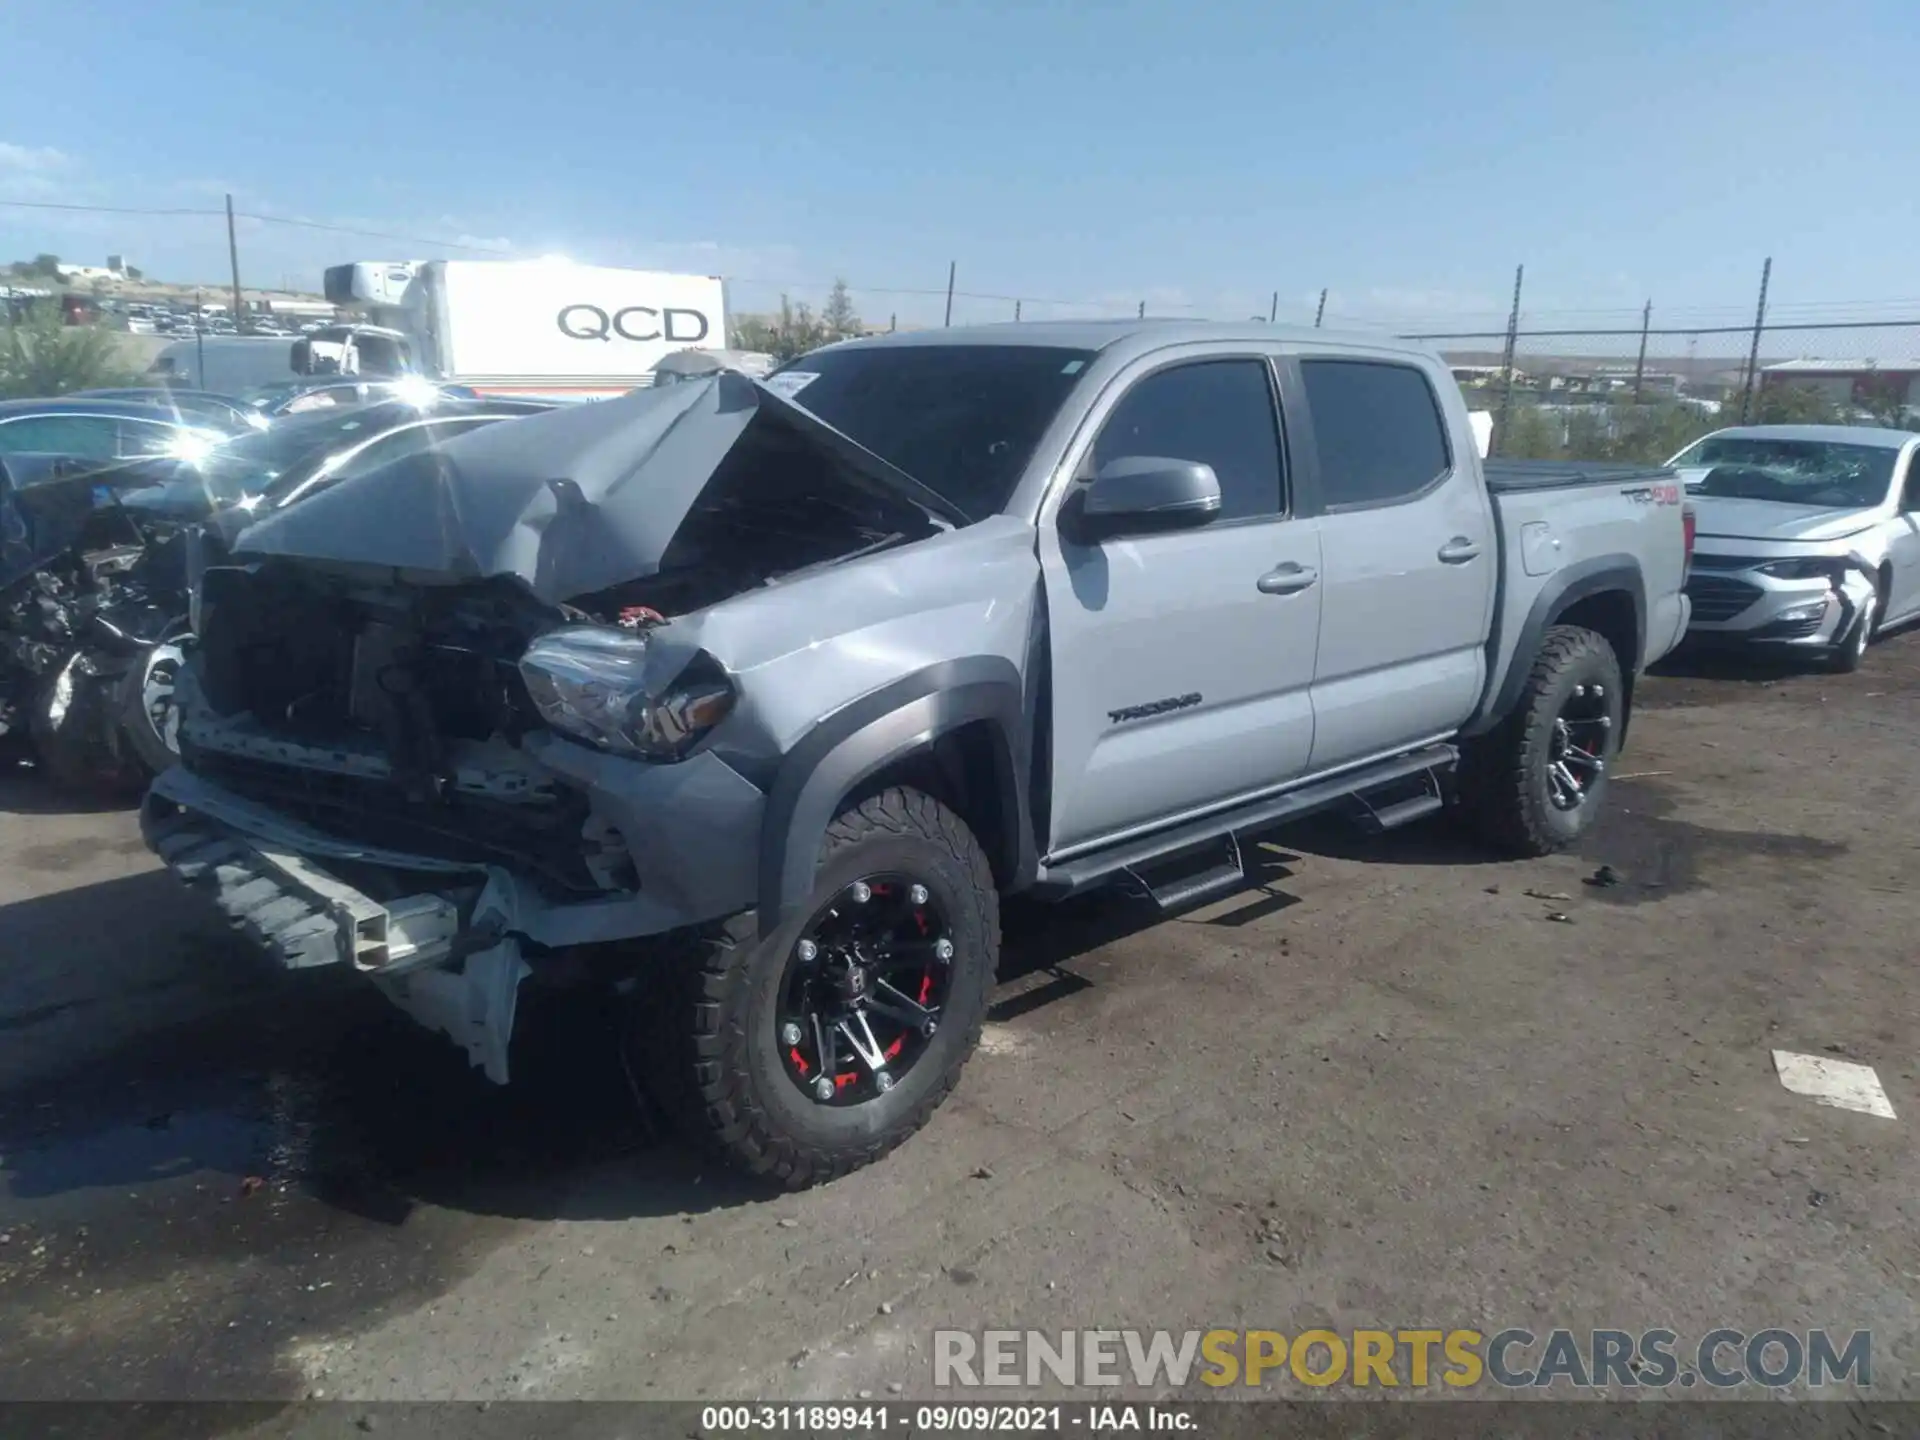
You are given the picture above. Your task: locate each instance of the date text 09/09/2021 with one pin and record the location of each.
(963, 1418)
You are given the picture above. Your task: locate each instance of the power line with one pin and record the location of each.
(1768, 328)
(249, 215)
(372, 234)
(101, 209)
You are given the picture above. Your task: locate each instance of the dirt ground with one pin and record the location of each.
(1385, 1087)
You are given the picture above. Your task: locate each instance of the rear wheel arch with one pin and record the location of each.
(1613, 615)
(1605, 594)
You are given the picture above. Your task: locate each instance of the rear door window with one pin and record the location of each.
(147, 437)
(89, 437)
(1377, 431)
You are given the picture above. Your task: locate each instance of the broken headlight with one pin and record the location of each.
(1810, 567)
(586, 680)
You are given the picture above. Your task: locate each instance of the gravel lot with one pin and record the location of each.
(1385, 1088)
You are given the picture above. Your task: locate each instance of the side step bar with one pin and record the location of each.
(1141, 854)
(1173, 886)
(1401, 812)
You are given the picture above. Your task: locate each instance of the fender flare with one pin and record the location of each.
(859, 740)
(1563, 589)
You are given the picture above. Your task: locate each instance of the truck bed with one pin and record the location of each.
(1509, 476)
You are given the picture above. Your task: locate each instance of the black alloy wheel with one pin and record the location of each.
(865, 984)
(813, 1048)
(1577, 748)
(1535, 782)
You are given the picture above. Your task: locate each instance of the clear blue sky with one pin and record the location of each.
(1199, 154)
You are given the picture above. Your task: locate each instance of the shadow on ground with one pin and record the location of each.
(26, 790)
(312, 1084)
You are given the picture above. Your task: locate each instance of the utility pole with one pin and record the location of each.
(1273, 308)
(1640, 365)
(1320, 311)
(952, 265)
(1506, 362)
(1753, 352)
(233, 258)
(199, 341)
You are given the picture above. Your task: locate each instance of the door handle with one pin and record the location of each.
(1458, 551)
(1288, 579)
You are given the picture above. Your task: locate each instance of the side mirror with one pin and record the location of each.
(1144, 493)
(300, 357)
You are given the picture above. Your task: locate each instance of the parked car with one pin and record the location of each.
(306, 452)
(1809, 537)
(201, 407)
(692, 364)
(89, 428)
(294, 397)
(753, 706)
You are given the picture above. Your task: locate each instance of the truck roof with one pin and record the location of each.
(1134, 334)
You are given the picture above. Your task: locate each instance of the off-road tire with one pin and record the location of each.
(1504, 788)
(717, 1075)
(1851, 652)
(72, 751)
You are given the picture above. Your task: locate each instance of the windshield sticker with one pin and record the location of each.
(790, 383)
(1072, 367)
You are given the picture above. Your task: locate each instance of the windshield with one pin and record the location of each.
(1792, 472)
(249, 464)
(963, 420)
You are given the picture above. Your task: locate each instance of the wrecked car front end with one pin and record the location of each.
(91, 597)
(366, 784)
(479, 718)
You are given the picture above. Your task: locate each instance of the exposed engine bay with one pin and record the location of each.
(86, 592)
(393, 712)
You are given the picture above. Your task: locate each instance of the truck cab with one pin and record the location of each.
(375, 351)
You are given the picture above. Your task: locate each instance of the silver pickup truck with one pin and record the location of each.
(750, 700)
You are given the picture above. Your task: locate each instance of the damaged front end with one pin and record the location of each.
(435, 725)
(88, 595)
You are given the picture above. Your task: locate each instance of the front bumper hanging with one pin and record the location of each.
(441, 955)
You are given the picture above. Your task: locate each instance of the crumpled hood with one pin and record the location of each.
(570, 502)
(1771, 520)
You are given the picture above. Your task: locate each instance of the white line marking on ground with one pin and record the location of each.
(1839, 1083)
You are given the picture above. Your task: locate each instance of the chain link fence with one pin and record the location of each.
(1640, 395)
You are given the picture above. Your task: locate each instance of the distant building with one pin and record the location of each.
(1652, 382)
(82, 274)
(1480, 376)
(1850, 382)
